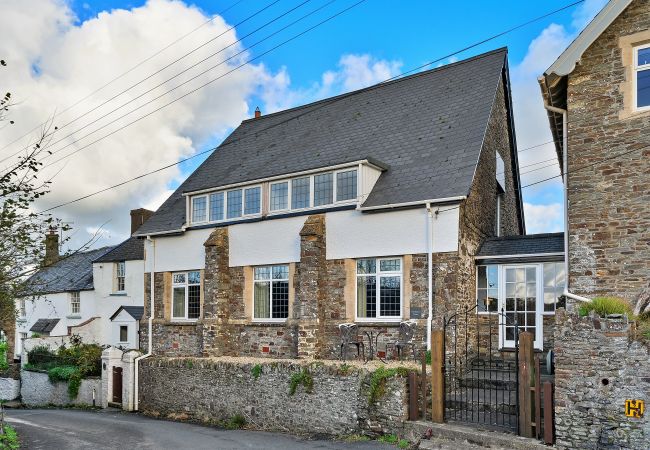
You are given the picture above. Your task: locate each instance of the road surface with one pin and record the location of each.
(112, 429)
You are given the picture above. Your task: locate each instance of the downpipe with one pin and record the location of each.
(430, 271)
(136, 365)
(565, 179)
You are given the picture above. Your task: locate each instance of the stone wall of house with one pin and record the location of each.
(599, 366)
(214, 390)
(609, 216)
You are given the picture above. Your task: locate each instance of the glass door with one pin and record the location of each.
(520, 304)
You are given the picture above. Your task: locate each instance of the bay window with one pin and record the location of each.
(271, 293)
(379, 288)
(186, 295)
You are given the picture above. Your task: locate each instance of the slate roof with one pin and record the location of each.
(44, 325)
(134, 311)
(428, 128)
(131, 249)
(72, 273)
(531, 244)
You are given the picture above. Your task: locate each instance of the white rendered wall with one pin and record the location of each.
(124, 319)
(353, 234)
(177, 253)
(266, 242)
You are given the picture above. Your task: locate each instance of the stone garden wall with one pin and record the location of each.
(330, 398)
(37, 390)
(599, 365)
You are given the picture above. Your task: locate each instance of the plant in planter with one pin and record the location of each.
(606, 306)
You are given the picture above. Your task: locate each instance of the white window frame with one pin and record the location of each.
(225, 205)
(288, 208)
(551, 313)
(270, 281)
(75, 295)
(207, 208)
(121, 341)
(118, 276)
(186, 284)
(637, 69)
(378, 274)
(476, 288)
(22, 308)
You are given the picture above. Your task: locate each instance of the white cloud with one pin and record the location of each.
(54, 61)
(544, 218)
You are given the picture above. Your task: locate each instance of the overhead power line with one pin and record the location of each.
(111, 81)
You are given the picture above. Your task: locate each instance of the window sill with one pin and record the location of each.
(378, 323)
(270, 322)
(118, 294)
(183, 322)
(73, 316)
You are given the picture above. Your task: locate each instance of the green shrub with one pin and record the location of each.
(604, 306)
(9, 438)
(71, 374)
(388, 439)
(378, 381)
(236, 422)
(256, 371)
(303, 377)
(4, 365)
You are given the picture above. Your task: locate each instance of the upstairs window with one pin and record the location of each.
(199, 205)
(271, 293)
(323, 189)
(346, 185)
(217, 203)
(22, 309)
(252, 197)
(300, 193)
(186, 297)
(642, 76)
(75, 303)
(279, 196)
(234, 203)
(120, 274)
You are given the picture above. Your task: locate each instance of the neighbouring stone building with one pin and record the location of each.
(329, 213)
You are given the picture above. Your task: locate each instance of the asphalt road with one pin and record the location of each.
(112, 429)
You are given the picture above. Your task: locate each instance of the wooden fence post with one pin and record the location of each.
(526, 382)
(437, 376)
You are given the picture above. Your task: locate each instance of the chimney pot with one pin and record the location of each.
(258, 113)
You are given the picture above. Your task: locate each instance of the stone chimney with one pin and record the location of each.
(138, 217)
(51, 247)
(258, 113)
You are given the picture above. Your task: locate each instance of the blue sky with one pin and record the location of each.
(375, 39)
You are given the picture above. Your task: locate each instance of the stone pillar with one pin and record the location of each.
(110, 357)
(217, 331)
(309, 281)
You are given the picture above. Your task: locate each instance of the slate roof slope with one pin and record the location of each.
(134, 311)
(428, 128)
(72, 273)
(530, 244)
(129, 250)
(44, 325)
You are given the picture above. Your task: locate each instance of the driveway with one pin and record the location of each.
(104, 429)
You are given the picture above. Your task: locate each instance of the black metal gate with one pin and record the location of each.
(481, 378)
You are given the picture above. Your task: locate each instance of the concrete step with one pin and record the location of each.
(452, 436)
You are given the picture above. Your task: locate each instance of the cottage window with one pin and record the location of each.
(271, 293)
(199, 205)
(554, 282)
(279, 196)
(186, 297)
(346, 185)
(252, 197)
(75, 303)
(487, 289)
(22, 309)
(120, 273)
(323, 189)
(642, 76)
(234, 203)
(124, 333)
(217, 204)
(300, 193)
(379, 288)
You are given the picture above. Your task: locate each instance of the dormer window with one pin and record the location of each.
(642, 76)
(341, 185)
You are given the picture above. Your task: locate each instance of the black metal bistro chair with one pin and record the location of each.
(405, 339)
(350, 336)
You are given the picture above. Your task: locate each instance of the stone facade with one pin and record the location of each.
(214, 390)
(599, 365)
(322, 291)
(609, 207)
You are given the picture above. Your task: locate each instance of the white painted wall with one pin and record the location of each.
(353, 234)
(267, 242)
(124, 319)
(177, 253)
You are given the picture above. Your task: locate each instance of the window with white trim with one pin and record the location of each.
(271, 293)
(323, 189)
(22, 308)
(120, 275)
(186, 295)
(75, 302)
(346, 185)
(379, 288)
(124, 333)
(642, 76)
(199, 209)
(554, 282)
(300, 193)
(487, 289)
(279, 196)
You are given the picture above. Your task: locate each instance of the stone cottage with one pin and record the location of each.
(368, 207)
